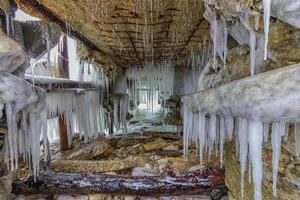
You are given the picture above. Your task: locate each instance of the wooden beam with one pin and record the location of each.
(77, 183)
(63, 134)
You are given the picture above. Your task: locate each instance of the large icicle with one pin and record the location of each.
(243, 153)
(222, 131)
(252, 43)
(229, 127)
(276, 146)
(267, 15)
(255, 148)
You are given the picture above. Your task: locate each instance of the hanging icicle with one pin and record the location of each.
(267, 15)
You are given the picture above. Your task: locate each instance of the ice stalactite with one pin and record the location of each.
(266, 131)
(229, 126)
(225, 36)
(152, 77)
(210, 16)
(7, 17)
(120, 112)
(243, 152)
(212, 131)
(233, 99)
(276, 146)
(187, 128)
(249, 132)
(257, 18)
(252, 44)
(198, 62)
(81, 109)
(25, 121)
(267, 15)
(255, 148)
(214, 33)
(116, 114)
(222, 129)
(202, 135)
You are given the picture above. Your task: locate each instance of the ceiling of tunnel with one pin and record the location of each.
(130, 32)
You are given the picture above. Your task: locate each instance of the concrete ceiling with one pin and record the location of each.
(128, 32)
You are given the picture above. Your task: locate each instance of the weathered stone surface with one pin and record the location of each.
(196, 168)
(157, 144)
(232, 175)
(5, 185)
(91, 150)
(12, 55)
(78, 166)
(169, 153)
(163, 135)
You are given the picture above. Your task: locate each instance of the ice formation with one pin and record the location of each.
(120, 103)
(252, 101)
(255, 129)
(81, 110)
(252, 43)
(267, 15)
(219, 35)
(276, 146)
(243, 152)
(26, 120)
(152, 77)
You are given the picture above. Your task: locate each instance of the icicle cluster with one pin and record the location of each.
(219, 34)
(153, 77)
(120, 112)
(82, 111)
(209, 131)
(23, 137)
(198, 62)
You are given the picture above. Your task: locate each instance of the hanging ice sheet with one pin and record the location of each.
(81, 109)
(153, 77)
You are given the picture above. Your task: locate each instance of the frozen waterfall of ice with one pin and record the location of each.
(82, 111)
(152, 77)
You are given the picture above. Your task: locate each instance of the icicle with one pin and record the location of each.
(222, 137)
(213, 127)
(286, 134)
(225, 44)
(214, 32)
(267, 15)
(255, 147)
(243, 144)
(257, 18)
(229, 127)
(276, 146)
(297, 139)
(201, 135)
(249, 167)
(266, 131)
(7, 17)
(252, 43)
(81, 109)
